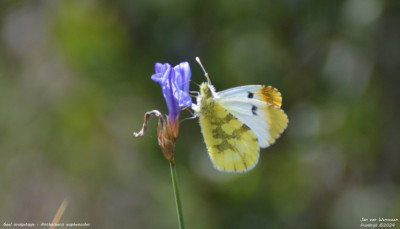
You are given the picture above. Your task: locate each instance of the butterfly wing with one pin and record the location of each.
(257, 107)
(267, 94)
(231, 145)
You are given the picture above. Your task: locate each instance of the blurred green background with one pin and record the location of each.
(75, 83)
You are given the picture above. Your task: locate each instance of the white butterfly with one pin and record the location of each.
(237, 122)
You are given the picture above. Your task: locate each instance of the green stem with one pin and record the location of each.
(177, 196)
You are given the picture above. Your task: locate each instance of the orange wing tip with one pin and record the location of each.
(271, 95)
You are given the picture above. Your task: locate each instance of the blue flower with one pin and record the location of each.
(175, 86)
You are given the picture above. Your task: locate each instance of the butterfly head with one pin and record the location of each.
(205, 89)
(206, 95)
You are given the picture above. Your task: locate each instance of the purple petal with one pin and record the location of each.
(160, 70)
(183, 75)
(174, 83)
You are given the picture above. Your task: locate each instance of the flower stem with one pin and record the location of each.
(177, 196)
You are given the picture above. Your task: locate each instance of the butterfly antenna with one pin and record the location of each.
(204, 70)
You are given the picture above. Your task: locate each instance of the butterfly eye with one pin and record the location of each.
(205, 90)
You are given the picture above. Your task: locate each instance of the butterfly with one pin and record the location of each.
(237, 122)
